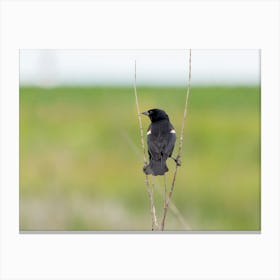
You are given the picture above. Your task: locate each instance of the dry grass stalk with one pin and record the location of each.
(166, 206)
(149, 187)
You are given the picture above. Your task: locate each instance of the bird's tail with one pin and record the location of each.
(156, 167)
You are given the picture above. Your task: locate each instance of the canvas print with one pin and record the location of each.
(139, 140)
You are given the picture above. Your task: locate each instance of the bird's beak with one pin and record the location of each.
(146, 113)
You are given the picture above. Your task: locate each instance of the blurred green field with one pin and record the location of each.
(81, 159)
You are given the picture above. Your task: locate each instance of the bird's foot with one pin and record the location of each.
(177, 160)
(147, 169)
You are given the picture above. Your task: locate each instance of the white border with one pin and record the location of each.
(140, 25)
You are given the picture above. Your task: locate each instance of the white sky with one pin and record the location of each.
(159, 67)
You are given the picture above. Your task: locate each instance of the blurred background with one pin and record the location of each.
(80, 151)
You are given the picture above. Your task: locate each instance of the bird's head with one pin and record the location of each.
(156, 115)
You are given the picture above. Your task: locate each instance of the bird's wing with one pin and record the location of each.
(161, 145)
(154, 147)
(169, 145)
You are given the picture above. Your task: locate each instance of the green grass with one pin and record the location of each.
(81, 158)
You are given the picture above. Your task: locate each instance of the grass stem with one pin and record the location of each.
(178, 159)
(149, 187)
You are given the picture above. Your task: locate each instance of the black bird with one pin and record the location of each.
(161, 138)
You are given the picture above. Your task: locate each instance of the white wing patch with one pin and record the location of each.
(149, 132)
(172, 131)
